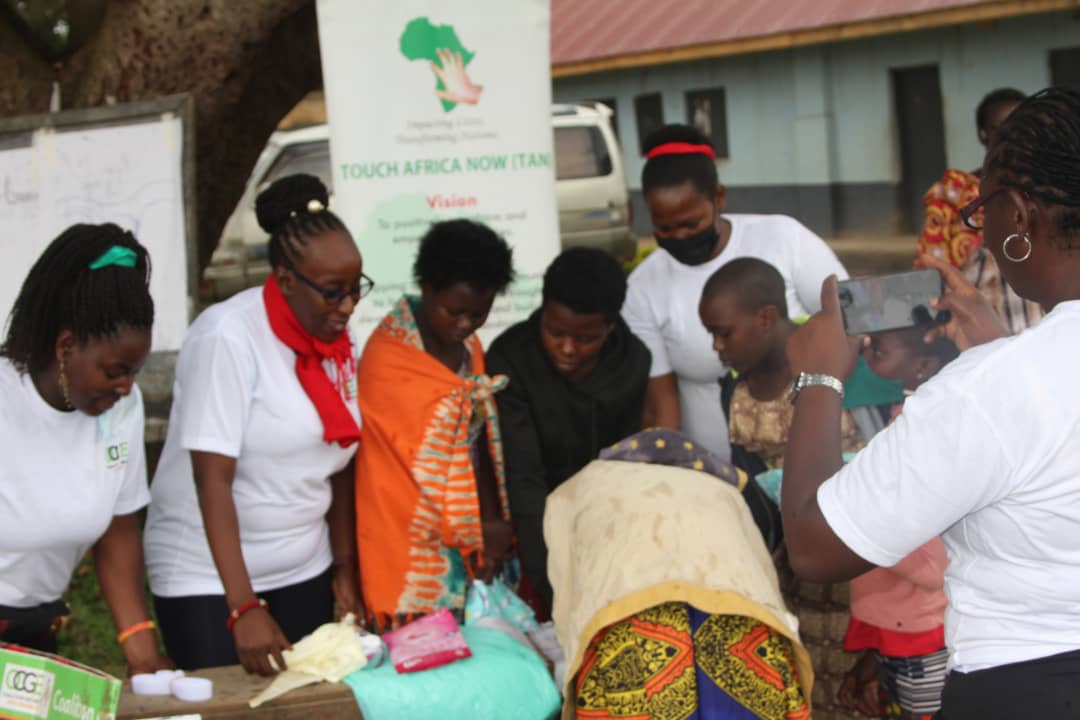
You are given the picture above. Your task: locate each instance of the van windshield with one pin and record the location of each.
(311, 158)
(580, 152)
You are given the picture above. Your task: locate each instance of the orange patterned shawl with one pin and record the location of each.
(417, 509)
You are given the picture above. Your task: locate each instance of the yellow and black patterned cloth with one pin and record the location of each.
(674, 662)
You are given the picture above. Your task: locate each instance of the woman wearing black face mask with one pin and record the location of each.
(685, 200)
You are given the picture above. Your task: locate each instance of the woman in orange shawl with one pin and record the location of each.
(431, 507)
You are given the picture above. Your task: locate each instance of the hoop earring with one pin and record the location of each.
(63, 382)
(1005, 248)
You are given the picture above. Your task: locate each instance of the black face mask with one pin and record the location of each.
(695, 249)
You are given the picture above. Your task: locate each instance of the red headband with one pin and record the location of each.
(681, 148)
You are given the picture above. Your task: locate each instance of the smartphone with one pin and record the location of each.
(889, 302)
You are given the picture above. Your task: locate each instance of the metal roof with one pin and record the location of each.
(596, 35)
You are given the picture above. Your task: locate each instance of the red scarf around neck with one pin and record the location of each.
(338, 423)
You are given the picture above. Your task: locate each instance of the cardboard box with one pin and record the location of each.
(39, 686)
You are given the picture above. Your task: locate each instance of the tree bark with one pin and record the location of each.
(246, 63)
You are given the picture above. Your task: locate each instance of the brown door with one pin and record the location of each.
(921, 129)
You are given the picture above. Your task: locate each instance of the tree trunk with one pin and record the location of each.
(246, 63)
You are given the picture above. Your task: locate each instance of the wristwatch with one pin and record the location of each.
(806, 380)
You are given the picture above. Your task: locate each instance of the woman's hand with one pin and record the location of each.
(859, 689)
(973, 320)
(142, 655)
(347, 592)
(822, 345)
(498, 544)
(258, 637)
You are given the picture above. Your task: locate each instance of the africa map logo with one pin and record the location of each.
(449, 58)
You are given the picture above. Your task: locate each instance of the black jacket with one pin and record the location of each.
(551, 427)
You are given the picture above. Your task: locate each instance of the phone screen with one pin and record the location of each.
(889, 302)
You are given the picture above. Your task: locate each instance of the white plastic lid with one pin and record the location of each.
(190, 689)
(150, 684)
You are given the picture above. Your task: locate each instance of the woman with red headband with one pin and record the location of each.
(685, 200)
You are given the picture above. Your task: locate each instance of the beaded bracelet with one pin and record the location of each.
(249, 605)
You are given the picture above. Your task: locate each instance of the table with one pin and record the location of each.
(233, 688)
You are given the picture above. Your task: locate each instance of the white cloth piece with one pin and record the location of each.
(65, 475)
(986, 455)
(328, 654)
(237, 394)
(662, 310)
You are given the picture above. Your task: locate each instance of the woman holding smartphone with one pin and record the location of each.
(995, 474)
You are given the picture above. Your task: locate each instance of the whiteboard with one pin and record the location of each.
(123, 164)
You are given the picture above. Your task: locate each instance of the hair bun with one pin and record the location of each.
(286, 196)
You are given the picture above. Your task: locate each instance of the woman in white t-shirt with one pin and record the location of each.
(250, 538)
(685, 200)
(985, 454)
(71, 427)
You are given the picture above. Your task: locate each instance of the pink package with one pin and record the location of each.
(426, 643)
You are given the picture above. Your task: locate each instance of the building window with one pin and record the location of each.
(707, 111)
(649, 113)
(1065, 66)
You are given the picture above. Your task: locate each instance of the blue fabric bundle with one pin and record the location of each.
(502, 679)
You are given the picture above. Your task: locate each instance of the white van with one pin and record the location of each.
(593, 199)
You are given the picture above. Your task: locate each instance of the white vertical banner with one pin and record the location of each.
(441, 109)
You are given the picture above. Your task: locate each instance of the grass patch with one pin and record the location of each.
(90, 636)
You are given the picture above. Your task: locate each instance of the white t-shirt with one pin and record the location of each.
(65, 475)
(985, 454)
(662, 309)
(237, 394)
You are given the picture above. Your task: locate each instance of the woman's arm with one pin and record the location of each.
(498, 533)
(814, 446)
(342, 521)
(662, 403)
(118, 561)
(257, 635)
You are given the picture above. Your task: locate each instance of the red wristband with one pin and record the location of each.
(249, 605)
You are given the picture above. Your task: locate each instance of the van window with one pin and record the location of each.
(310, 158)
(580, 152)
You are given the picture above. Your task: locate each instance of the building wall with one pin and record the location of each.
(812, 131)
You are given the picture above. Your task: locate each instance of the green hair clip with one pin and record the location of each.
(117, 255)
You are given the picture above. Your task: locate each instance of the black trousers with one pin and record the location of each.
(194, 629)
(33, 627)
(1047, 689)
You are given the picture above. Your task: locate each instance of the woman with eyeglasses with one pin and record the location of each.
(250, 539)
(995, 473)
(953, 227)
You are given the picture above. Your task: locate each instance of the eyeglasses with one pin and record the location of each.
(333, 297)
(968, 212)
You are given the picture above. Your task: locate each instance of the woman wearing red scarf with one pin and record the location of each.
(250, 538)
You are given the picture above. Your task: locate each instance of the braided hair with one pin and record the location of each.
(1037, 150)
(62, 292)
(293, 210)
(668, 171)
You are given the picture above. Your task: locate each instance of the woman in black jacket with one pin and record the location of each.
(577, 385)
